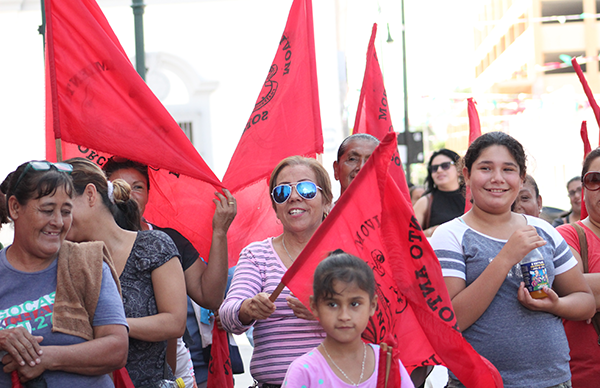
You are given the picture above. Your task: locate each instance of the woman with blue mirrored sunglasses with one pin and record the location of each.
(301, 197)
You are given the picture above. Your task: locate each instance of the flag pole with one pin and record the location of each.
(277, 291)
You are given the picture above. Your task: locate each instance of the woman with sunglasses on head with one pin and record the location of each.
(62, 319)
(301, 197)
(583, 238)
(480, 255)
(444, 198)
(146, 262)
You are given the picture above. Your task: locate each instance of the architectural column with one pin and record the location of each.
(591, 45)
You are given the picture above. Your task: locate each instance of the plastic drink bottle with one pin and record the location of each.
(535, 274)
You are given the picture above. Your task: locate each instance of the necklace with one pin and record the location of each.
(284, 247)
(362, 370)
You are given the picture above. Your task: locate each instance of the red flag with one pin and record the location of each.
(220, 374)
(99, 106)
(373, 113)
(414, 304)
(587, 148)
(388, 373)
(474, 133)
(285, 121)
(586, 89)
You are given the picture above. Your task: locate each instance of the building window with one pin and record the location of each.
(186, 126)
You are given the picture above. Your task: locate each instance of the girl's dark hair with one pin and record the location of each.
(588, 161)
(500, 139)
(343, 267)
(321, 174)
(33, 185)
(3, 211)
(125, 209)
(117, 163)
(429, 184)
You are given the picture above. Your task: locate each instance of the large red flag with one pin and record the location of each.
(373, 113)
(285, 121)
(414, 305)
(474, 133)
(99, 106)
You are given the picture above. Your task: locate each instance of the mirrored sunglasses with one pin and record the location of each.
(306, 189)
(591, 181)
(445, 166)
(42, 165)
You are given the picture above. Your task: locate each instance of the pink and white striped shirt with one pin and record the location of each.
(279, 339)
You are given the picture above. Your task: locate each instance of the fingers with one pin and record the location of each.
(299, 309)
(226, 210)
(21, 345)
(261, 306)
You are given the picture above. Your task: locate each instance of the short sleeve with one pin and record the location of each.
(109, 310)
(298, 374)
(188, 254)
(154, 248)
(447, 245)
(569, 233)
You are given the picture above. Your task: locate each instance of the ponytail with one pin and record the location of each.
(125, 209)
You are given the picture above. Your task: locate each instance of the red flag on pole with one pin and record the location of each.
(285, 121)
(414, 305)
(220, 374)
(586, 89)
(474, 133)
(587, 148)
(373, 113)
(98, 106)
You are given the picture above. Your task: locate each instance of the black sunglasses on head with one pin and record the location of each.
(42, 165)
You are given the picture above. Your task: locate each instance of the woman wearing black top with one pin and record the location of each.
(444, 197)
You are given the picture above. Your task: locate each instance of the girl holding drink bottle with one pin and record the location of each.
(480, 254)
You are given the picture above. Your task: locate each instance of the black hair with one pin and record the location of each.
(500, 139)
(343, 267)
(33, 184)
(3, 210)
(125, 209)
(429, 184)
(117, 163)
(356, 136)
(529, 179)
(588, 161)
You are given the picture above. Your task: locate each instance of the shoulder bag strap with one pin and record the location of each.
(583, 246)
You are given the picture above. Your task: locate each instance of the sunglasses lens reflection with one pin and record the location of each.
(307, 190)
(281, 193)
(591, 181)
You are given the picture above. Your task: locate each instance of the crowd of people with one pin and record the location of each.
(89, 287)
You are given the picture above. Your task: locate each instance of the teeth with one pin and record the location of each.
(296, 211)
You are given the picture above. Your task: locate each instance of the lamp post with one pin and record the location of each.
(405, 90)
(140, 55)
